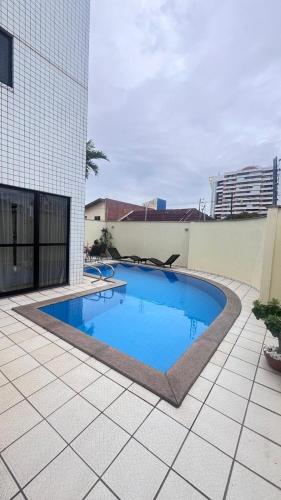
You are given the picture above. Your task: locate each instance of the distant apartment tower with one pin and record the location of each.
(156, 204)
(249, 189)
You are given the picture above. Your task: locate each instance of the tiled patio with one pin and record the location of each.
(71, 428)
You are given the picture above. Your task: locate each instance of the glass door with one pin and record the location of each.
(16, 240)
(34, 240)
(53, 239)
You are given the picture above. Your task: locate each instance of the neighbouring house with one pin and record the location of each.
(249, 189)
(169, 215)
(43, 102)
(106, 209)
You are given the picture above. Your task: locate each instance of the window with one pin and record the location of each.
(97, 217)
(6, 51)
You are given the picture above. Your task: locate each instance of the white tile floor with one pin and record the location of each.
(72, 428)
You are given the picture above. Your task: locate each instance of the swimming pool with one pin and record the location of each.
(154, 318)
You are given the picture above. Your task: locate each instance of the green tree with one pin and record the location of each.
(106, 237)
(93, 154)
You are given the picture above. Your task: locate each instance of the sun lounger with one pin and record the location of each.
(168, 262)
(116, 256)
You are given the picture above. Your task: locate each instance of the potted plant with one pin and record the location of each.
(105, 239)
(271, 315)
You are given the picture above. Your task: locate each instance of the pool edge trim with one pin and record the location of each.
(171, 386)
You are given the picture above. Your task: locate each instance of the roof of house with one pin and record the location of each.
(111, 201)
(169, 215)
(95, 202)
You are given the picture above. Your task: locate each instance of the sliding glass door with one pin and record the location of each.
(53, 239)
(34, 231)
(16, 240)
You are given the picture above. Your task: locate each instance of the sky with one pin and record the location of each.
(180, 90)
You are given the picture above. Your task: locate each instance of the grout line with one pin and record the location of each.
(257, 474)
(132, 436)
(68, 444)
(241, 430)
(56, 376)
(76, 393)
(12, 475)
(105, 485)
(266, 386)
(263, 436)
(191, 430)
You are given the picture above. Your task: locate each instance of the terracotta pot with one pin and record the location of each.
(274, 363)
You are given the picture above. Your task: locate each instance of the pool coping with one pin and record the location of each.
(171, 386)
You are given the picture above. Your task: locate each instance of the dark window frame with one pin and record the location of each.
(37, 245)
(11, 59)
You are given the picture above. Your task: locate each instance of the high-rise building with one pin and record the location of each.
(156, 204)
(43, 108)
(249, 189)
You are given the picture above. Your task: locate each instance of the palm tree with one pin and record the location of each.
(93, 154)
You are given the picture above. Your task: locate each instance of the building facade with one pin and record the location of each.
(43, 106)
(247, 190)
(156, 204)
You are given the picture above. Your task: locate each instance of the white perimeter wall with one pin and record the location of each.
(230, 248)
(271, 270)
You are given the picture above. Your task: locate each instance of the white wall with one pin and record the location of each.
(152, 239)
(271, 269)
(229, 248)
(93, 231)
(44, 116)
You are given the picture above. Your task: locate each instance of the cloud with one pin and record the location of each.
(179, 90)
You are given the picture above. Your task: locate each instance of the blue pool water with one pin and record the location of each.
(154, 318)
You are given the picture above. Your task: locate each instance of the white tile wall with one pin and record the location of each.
(44, 116)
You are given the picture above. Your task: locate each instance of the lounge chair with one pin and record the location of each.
(116, 256)
(168, 262)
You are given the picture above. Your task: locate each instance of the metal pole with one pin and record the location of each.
(145, 216)
(274, 181)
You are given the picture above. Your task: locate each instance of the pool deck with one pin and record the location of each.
(72, 428)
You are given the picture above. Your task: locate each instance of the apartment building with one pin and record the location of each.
(249, 189)
(156, 204)
(43, 108)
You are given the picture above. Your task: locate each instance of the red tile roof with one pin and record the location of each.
(169, 215)
(115, 209)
